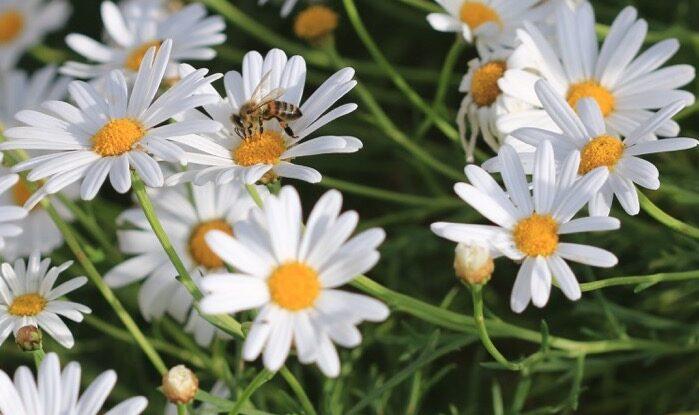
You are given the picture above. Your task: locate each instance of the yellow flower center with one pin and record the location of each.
(592, 89)
(604, 150)
(27, 305)
(475, 14)
(484, 83)
(117, 137)
(134, 58)
(294, 286)
(198, 247)
(11, 25)
(264, 148)
(21, 193)
(315, 23)
(536, 235)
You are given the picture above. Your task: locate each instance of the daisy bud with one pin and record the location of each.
(174, 6)
(315, 23)
(28, 338)
(180, 385)
(473, 263)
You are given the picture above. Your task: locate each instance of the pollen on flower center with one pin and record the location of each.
(294, 286)
(11, 25)
(536, 235)
(592, 89)
(134, 58)
(198, 247)
(315, 23)
(117, 137)
(475, 14)
(604, 150)
(27, 305)
(484, 83)
(261, 148)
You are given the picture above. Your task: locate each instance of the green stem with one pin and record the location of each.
(91, 225)
(181, 409)
(263, 377)
(224, 322)
(397, 79)
(390, 196)
(640, 279)
(658, 214)
(48, 55)
(390, 129)
(38, 357)
(298, 391)
(423, 5)
(149, 211)
(103, 288)
(444, 80)
(254, 194)
(262, 32)
(479, 318)
(465, 324)
(198, 360)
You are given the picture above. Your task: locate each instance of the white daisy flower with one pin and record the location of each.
(138, 29)
(39, 232)
(625, 84)
(586, 134)
(111, 132)
(219, 390)
(55, 392)
(268, 154)
(24, 23)
(9, 214)
(148, 10)
(27, 298)
(186, 219)
(287, 6)
(290, 272)
(529, 226)
(484, 101)
(20, 91)
(491, 24)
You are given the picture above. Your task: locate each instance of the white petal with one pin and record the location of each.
(586, 254)
(589, 224)
(540, 282)
(521, 290)
(565, 277)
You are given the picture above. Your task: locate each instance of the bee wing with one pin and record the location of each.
(262, 88)
(271, 96)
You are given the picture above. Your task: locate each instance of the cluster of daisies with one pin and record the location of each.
(567, 119)
(572, 115)
(134, 110)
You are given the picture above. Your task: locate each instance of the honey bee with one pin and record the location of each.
(264, 105)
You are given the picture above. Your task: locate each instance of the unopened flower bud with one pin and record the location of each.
(28, 338)
(315, 24)
(180, 385)
(473, 263)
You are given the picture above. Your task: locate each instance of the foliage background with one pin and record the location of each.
(405, 365)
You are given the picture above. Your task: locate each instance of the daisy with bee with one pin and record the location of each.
(265, 106)
(265, 123)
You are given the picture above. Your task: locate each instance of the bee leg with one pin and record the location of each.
(260, 126)
(287, 129)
